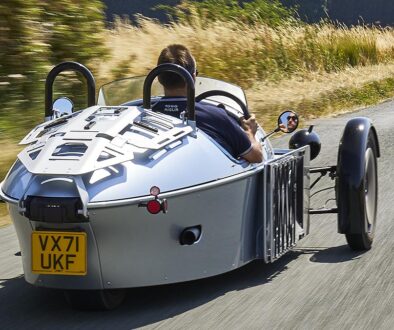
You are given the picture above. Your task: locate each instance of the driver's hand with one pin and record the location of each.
(250, 125)
(283, 128)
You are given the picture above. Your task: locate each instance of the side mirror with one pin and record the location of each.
(63, 106)
(288, 121)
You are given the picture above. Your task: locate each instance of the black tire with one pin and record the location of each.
(368, 200)
(94, 299)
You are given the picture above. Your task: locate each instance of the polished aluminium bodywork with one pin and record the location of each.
(246, 211)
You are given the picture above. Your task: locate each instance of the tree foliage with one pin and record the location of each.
(35, 35)
(75, 28)
(20, 34)
(40, 32)
(270, 12)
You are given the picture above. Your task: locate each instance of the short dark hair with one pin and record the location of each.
(176, 54)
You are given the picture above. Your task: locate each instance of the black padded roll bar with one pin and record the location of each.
(68, 66)
(168, 67)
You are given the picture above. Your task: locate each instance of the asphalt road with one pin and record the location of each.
(322, 284)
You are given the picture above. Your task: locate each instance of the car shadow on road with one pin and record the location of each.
(23, 305)
(334, 254)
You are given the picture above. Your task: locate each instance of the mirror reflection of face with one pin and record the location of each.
(288, 121)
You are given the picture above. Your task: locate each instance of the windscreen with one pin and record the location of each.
(125, 90)
(130, 89)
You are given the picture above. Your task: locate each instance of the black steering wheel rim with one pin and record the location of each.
(242, 105)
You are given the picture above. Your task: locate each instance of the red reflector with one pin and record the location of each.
(154, 206)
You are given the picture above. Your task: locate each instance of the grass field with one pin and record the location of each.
(9, 150)
(314, 69)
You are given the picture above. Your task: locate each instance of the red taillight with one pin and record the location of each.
(154, 206)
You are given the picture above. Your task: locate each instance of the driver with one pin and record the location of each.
(214, 121)
(291, 122)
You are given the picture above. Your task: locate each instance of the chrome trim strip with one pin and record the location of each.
(136, 200)
(174, 193)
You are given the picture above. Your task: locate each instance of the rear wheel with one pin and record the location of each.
(95, 299)
(368, 198)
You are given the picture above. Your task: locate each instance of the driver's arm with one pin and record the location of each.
(255, 154)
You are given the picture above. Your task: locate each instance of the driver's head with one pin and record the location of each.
(176, 54)
(291, 121)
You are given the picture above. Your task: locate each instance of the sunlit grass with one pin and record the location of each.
(245, 54)
(312, 68)
(323, 94)
(9, 150)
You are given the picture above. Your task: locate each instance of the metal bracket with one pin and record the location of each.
(193, 125)
(323, 171)
(323, 211)
(332, 170)
(84, 196)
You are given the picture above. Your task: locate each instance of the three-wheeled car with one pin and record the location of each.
(118, 196)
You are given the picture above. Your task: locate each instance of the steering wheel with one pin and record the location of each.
(242, 105)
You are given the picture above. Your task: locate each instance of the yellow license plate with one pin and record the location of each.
(59, 253)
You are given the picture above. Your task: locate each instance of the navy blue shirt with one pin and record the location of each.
(213, 120)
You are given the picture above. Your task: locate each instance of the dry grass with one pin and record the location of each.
(279, 68)
(246, 54)
(9, 150)
(297, 91)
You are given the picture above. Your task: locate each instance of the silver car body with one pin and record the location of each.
(245, 211)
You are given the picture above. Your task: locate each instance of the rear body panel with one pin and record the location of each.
(260, 213)
(129, 247)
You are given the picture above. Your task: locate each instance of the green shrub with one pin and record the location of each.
(74, 30)
(21, 51)
(34, 36)
(270, 12)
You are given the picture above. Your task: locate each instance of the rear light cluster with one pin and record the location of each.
(53, 209)
(156, 205)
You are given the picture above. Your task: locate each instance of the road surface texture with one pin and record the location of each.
(321, 284)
